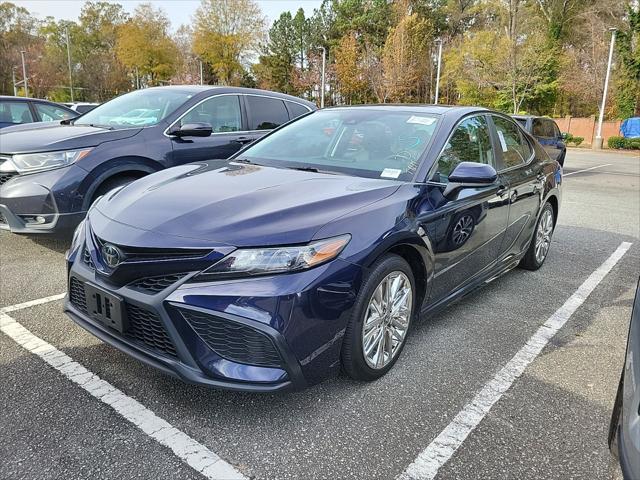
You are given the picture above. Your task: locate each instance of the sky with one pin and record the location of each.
(179, 11)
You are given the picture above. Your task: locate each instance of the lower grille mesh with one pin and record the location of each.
(76, 294)
(234, 341)
(145, 327)
(153, 285)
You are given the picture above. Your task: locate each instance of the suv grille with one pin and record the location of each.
(76, 294)
(5, 177)
(145, 327)
(234, 341)
(153, 285)
(3, 219)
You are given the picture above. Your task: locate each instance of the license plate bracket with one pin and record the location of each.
(105, 307)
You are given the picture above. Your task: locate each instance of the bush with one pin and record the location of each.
(622, 143)
(569, 138)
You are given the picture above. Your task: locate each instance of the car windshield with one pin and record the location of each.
(375, 143)
(136, 109)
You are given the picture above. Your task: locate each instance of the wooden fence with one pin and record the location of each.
(588, 127)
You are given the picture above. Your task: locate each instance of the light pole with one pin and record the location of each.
(201, 75)
(597, 144)
(24, 75)
(13, 78)
(322, 82)
(66, 31)
(439, 42)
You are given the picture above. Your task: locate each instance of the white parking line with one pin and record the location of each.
(184, 447)
(586, 169)
(442, 448)
(32, 303)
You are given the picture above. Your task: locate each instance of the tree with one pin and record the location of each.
(628, 83)
(348, 70)
(144, 45)
(276, 67)
(227, 34)
(406, 58)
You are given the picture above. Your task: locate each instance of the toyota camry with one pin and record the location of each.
(316, 248)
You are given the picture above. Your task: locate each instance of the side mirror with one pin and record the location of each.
(564, 135)
(469, 175)
(192, 130)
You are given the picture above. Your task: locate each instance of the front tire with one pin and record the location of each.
(381, 318)
(539, 246)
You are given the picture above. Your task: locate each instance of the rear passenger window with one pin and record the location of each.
(538, 129)
(469, 142)
(15, 112)
(515, 148)
(266, 113)
(295, 109)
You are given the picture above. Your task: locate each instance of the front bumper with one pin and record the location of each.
(302, 315)
(42, 202)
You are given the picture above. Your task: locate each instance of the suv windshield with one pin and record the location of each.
(136, 109)
(363, 142)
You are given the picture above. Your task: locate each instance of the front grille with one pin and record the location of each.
(146, 328)
(5, 177)
(86, 258)
(76, 294)
(153, 285)
(234, 341)
(3, 219)
(138, 254)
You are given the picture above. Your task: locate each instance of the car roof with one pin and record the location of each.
(198, 89)
(444, 110)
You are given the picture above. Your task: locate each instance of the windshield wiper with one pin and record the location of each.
(94, 125)
(314, 170)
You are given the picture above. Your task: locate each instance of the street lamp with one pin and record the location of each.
(66, 31)
(597, 144)
(439, 42)
(24, 75)
(322, 87)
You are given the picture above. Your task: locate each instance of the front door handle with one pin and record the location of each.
(244, 140)
(502, 191)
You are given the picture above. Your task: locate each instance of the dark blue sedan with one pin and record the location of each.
(314, 249)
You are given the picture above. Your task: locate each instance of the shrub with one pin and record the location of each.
(616, 142)
(569, 138)
(624, 143)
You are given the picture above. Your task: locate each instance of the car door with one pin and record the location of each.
(224, 114)
(524, 175)
(468, 225)
(543, 130)
(558, 142)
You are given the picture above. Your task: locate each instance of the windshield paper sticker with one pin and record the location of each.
(421, 120)
(390, 173)
(503, 144)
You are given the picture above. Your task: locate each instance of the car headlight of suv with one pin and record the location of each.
(265, 261)
(37, 162)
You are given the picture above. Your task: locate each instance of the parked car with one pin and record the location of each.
(82, 107)
(50, 174)
(315, 247)
(624, 431)
(20, 110)
(546, 131)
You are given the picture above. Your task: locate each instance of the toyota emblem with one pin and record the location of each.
(111, 255)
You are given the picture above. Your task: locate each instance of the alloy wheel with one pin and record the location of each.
(387, 320)
(543, 235)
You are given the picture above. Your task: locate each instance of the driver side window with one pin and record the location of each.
(221, 112)
(469, 142)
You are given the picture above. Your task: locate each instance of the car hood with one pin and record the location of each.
(239, 205)
(49, 136)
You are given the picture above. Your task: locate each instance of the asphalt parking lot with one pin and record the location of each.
(551, 423)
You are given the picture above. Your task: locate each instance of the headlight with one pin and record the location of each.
(263, 261)
(36, 162)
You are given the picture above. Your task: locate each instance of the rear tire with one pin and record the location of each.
(387, 303)
(540, 241)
